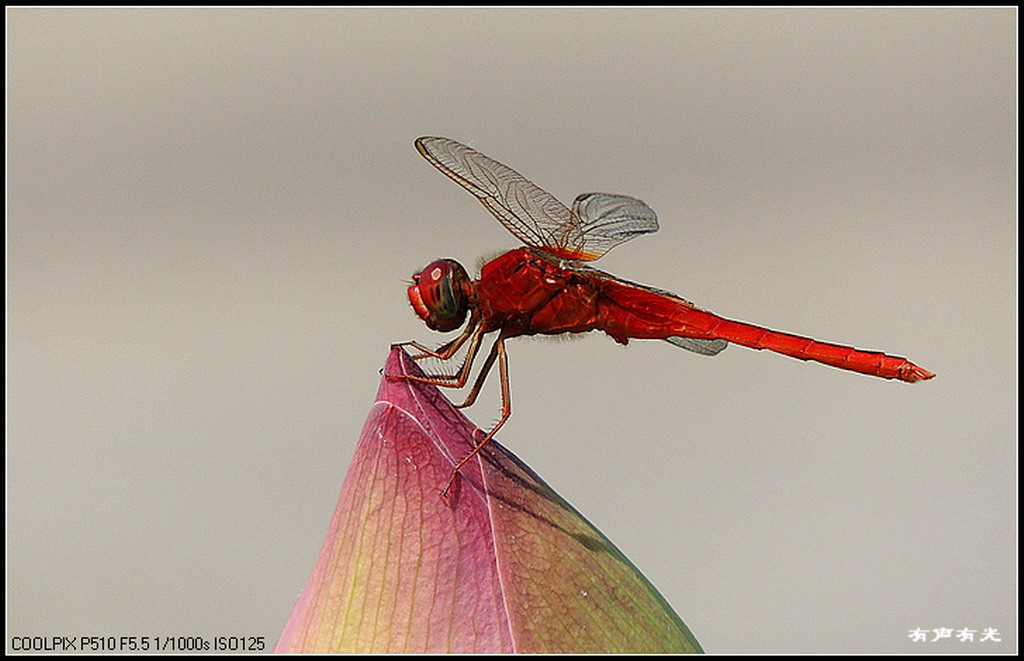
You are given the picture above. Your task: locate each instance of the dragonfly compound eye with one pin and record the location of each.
(438, 295)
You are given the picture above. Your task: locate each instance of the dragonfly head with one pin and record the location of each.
(439, 294)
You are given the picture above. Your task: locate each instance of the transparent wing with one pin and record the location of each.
(606, 220)
(532, 214)
(697, 345)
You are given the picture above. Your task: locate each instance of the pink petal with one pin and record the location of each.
(501, 565)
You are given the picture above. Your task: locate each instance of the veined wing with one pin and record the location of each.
(607, 220)
(597, 223)
(698, 345)
(532, 214)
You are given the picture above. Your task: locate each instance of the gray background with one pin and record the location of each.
(213, 215)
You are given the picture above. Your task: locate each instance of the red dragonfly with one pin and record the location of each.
(545, 287)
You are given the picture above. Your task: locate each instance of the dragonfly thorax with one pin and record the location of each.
(439, 294)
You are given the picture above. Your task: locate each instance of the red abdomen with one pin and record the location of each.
(524, 293)
(635, 311)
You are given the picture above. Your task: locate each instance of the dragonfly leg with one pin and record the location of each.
(478, 384)
(445, 351)
(506, 406)
(474, 333)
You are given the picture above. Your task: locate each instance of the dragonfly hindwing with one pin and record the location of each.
(614, 216)
(696, 345)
